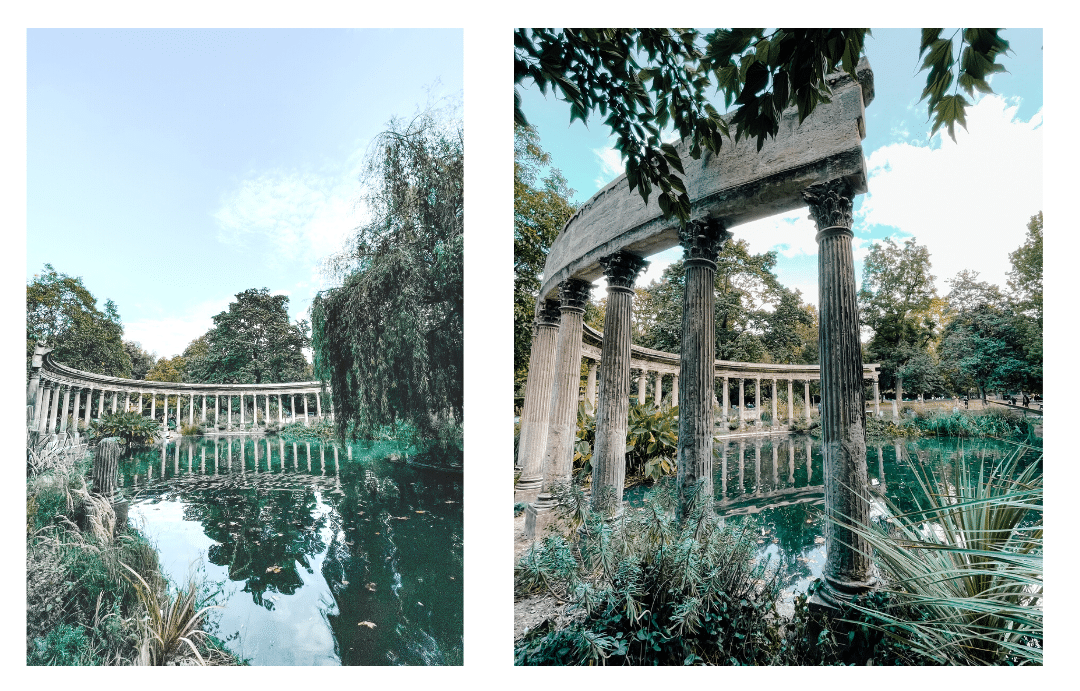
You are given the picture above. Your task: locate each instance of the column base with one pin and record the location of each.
(536, 512)
(835, 595)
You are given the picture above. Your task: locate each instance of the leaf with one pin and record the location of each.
(368, 624)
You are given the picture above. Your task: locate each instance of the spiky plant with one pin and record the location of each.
(170, 623)
(964, 571)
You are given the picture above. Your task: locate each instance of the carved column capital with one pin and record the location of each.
(830, 204)
(574, 294)
(549, 314)
(621, 270)
(703, 239)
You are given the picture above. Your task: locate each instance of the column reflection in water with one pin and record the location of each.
(216, 441)
(281, 451)
(243, 462)
(202, 461)
(742, 463)
(269, 455)
(307, 451)
(322, 460)
(775, 463)
(881, 468)
(254, 451)
(723, 469)
(190, 463)
(791, 462)
(757, 465)
(809, 463)
(295, 457)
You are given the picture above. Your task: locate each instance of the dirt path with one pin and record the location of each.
(533, 610)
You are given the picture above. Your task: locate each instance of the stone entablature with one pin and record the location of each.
(735, 186)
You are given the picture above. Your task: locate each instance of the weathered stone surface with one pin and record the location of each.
(532, 439)
(738, 185)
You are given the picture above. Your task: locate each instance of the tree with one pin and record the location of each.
(390, 339)
(1025, 278)
(541, 209)
(252, 342)
(895, 303)
(642, 80)
(141, 361)
(62, 313)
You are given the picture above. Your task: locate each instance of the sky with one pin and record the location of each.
(968, 202)
(171, 169)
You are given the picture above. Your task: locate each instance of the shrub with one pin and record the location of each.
(651, 589)
(652, 441)
(133, 428)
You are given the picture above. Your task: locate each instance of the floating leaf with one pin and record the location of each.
(368, 624)
(370, 586)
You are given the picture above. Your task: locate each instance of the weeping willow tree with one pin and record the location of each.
(390, 338)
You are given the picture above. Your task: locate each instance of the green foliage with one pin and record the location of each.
(542, 207)
(62, 313)
(585, 440)
(757, 319)
(141, 361)
(964, 571)
(979, 49)
(653, 590)
(643, 80)
(251, 343)
(131, 427)
(652, 441)
(64, 645)
(297, 431)
(390, 339)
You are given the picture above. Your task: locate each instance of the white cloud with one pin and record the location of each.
(299, 216)
(169, 335)
(611, 165)
(969, 201)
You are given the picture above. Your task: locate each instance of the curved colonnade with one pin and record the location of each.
(59, 396)
(653, 367)
(816, 163)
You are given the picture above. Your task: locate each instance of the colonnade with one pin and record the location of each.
(59, 396)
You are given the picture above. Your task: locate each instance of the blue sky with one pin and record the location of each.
(968, 202)
(174, 168)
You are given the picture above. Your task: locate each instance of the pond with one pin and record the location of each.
(320, 554)
(778, 481)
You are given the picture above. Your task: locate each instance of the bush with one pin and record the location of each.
(132, 428)
(652, 590)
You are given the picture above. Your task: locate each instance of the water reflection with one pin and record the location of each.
(786, 502)
(324, 554)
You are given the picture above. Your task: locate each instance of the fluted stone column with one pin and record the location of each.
(306, 423)
(843, 415)
(165, 413)
(191, 409)
(806, 398)
(775, 422)
(153, 405)
(675, 389)
(53, 402)
(609, 450)
(217, 419)
(757, 400)
(228, 414)
(241, 411)
(114, 396)
(280, 414)
(877, 400)
(791, 401)
(640, 385)
(101, 403)
(727, 397)
(90, 402)
(63, 410)
(532, 439)
(562, 421)
(658, 389)
(701, 241)
(742, 404)
(292, 405)
(590, 386)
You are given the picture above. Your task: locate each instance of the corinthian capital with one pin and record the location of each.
(703, 238)
(548, 315)
(574, 293)
(830, 203)
(621, 268)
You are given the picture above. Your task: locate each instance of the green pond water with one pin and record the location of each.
(320, 554)
(777, 482)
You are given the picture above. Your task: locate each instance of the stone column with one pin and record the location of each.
(791, 401)
(53, 403)
(153, 405)
(742, 404)
(305, 411)
(114, 395)
(843, 415)
(562, 422)
(877, 400)
(191, 409)
(89, 402)
(701, 241)
(757, 400)
(318, 406)
(34, 386)
(609, 451)
(292, 405)
(806, 398)
(63, 410)
(727, 402)
(675, 389)
(46, 402)
(241, 411)
(590, 386)
(216, 418)
(266, 417)
(228, 414)
(532, 438)
(775, 422)
(280, 413)
(640, 384)
(101, 403)
(658, 389)
(165, 413)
